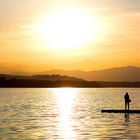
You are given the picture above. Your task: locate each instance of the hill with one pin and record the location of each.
(128, 73)
(57, 81)
(51, 77)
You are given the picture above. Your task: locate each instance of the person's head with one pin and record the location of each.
(127, 93)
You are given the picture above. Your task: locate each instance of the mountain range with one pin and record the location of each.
(127, 73)
(116, 74)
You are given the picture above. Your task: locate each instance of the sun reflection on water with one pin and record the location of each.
(65, 102)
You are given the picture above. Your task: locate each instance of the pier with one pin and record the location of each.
(120, 111)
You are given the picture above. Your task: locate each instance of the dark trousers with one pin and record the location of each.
(126, 105)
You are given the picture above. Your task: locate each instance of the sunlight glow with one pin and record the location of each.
(65, 100)
(67, 28)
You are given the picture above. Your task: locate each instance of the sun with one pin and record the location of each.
(68, 28)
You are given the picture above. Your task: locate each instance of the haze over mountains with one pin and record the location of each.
(128, 73)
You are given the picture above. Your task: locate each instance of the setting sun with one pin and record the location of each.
(36, 36)
(67, 28)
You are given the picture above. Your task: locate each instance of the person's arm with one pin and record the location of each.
(124, 96)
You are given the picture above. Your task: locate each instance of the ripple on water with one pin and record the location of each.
(75, 114)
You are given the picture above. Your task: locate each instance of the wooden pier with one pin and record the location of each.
(120, 111)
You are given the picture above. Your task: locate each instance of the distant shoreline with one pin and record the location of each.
(74, 84)
(55, 81)
(67, 87)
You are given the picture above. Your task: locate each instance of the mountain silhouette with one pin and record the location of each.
(127, 73)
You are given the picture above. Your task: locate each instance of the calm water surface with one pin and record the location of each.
(67, 114)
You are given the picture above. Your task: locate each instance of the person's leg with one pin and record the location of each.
(128, 105)
(125, 105)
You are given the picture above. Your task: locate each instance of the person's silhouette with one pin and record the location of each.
(127, 101)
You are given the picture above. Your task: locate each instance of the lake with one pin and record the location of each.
(67, 114)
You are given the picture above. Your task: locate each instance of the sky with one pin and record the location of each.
(40, 35)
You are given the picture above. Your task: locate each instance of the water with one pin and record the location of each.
(67, 114)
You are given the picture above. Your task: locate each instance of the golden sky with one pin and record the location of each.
(39, 35)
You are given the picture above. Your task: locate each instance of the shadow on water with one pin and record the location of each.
(126, 116)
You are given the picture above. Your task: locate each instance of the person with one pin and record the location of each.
(127, 101)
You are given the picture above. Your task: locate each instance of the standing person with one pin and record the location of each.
(127, 100)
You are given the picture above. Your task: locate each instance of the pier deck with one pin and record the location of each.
(120, 111)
